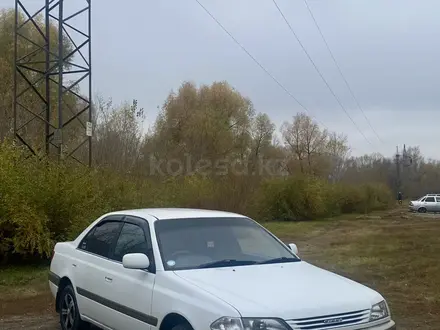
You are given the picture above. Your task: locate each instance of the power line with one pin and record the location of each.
(340, 71)
(319, 72)
(257, 62)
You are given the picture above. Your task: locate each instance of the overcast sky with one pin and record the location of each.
(388, 50)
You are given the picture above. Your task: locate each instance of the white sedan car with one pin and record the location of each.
(182, 269)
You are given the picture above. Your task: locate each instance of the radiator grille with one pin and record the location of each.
(330, 321)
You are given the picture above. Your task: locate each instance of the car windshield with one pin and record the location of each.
(217, 242)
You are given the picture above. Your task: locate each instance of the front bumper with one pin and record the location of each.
(390, 325)
(387, 325)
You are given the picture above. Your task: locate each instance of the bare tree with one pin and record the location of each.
(294, 141)
(118, 135)
(306, 142)
(262, 130)
(338, 151)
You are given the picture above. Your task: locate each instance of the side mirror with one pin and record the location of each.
(135, 261)
(294, 248)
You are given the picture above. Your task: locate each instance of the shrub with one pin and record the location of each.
(42, 202)
(292, 199)
(307, 198)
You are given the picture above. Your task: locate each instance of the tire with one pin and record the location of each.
(422, 210)
(184, 326)
(69, 313)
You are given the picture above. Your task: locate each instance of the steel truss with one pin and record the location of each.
(51, 115)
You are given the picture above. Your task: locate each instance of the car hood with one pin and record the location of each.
(288, 290)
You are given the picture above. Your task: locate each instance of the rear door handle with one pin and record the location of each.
(108, 279)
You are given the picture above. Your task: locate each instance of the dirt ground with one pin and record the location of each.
(31, 322)
(33, 311)
(393, 252)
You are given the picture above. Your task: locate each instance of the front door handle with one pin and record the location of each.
(108, 279)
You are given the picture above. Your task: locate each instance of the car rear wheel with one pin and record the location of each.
(422, 210)
(69, 313)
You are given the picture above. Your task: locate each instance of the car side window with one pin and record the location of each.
(131, 240)
(430, 199)
(438, 199)
(101, 238)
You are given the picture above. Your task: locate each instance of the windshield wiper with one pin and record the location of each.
(279, 260)
(227, 263)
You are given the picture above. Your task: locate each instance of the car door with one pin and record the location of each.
(430, 204)
(90, 270)
(131, 290)
(437, 207)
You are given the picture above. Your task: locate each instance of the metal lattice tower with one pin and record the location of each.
(52, 110)
(402, 161)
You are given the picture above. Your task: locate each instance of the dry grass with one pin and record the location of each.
(397, 254)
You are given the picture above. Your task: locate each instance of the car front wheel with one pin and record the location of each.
(183, 326)
(69, 313)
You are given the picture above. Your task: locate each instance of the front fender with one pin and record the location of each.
(173, 294)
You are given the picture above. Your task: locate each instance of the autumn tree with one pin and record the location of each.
(204, 124)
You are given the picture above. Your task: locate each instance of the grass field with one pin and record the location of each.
(394, 252)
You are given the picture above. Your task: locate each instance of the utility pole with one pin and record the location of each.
(402, 161)
(398, 182)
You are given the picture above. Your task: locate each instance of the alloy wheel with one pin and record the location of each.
(68, 312)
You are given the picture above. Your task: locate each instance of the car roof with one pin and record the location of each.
(177, 213)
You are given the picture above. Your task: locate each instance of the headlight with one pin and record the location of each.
(230, 323)
(379, 311)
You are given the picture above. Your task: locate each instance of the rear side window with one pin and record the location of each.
(101, 238)
(131, 240)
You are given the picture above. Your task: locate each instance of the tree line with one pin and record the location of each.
(200, 126)
(208, 147)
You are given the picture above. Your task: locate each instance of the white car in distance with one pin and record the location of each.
(183, 269)
(427, 203)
